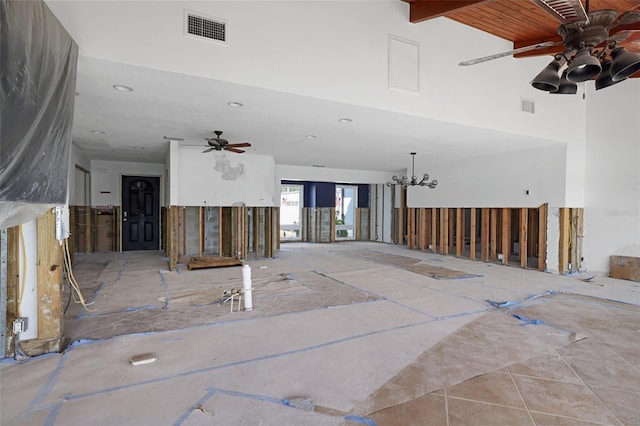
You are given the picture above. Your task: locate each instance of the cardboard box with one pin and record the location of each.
(625, 267)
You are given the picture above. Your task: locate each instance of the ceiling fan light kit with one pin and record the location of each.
(591, 50)
(405, 181)
(566, 87)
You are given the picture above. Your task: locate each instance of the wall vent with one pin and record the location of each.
(205, 27)
(527, 106)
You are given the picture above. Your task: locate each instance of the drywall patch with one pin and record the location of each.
(227, 171)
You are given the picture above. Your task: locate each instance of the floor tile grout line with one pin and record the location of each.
(446, 405)
(521, 396)
(589, 386)
(568, 417)
(494, 404)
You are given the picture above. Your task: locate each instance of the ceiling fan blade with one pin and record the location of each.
(208, 150)
(511, 52)
(628, 18)
(232, 149)
(240, 145)
(564, 11)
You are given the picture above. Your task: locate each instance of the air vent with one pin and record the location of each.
(208, 28)
(527, 106)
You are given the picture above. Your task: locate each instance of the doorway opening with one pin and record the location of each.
(291, 201)
(346, 203)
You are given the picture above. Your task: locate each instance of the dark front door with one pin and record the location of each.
(140, 212)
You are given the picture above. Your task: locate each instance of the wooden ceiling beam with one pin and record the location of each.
(422, 10)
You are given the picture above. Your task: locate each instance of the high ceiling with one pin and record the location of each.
(294, 129)
(521, 21)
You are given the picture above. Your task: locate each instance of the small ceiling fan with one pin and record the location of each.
(590, 47)
(219, 144)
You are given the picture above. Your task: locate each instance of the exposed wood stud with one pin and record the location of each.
(434, 230)
(459, 231)
(87, 229)
(523, 237)
(472, 233)
(200, 230)
(505, 234)
(484, 234)
(452, 229)
(494, 234)
(565, 233)
(542, 237)
(220, 232)
(411, 228)
(49, 285)
(444, 230)
(13, 279)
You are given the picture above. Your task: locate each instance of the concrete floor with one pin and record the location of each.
(374, 334)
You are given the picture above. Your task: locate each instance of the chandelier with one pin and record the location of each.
(414, 179)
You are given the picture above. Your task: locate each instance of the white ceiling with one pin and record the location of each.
(165, 104)
(189, 107)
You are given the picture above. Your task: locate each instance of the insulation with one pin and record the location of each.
(38, 61)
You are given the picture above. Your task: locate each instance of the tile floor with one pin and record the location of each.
(373, 342)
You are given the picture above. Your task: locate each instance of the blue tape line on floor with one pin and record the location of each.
(244, 362)
(517, 302)
(362, 420)
(527, 321)
(194, 407)
(46, 387)
(53, 415)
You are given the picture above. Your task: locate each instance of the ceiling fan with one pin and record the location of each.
(590, 47)
(219, 144)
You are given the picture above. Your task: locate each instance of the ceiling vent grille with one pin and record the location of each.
(527, 106)
(204, 27)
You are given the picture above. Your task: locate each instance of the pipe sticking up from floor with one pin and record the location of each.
(246, 284)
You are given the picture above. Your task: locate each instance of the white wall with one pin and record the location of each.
(612, 201)
(497, 180)
(75, 188)
(106, 179)
(225, 179)
(331, 50)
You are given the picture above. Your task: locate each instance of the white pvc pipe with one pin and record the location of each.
(246, 285)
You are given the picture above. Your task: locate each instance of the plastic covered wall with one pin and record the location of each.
(37, 78)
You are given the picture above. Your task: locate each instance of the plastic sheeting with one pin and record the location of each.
(38, 60)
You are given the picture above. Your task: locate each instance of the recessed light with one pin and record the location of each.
(344, 120)
(310, 136)
(121, 88)
(98, 132)
(234, 104)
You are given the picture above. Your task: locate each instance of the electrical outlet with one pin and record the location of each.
(19, 325)
(500, 256)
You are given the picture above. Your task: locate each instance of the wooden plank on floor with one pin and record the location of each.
(542, 237)
(523, 237)
(199, 262)
(505, 233)
(472, 233)
(485, 225)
